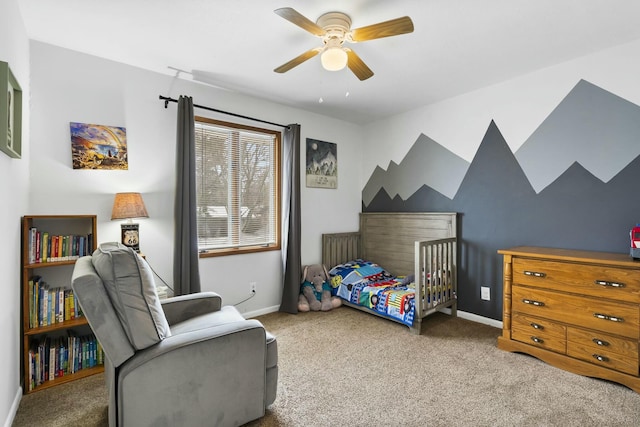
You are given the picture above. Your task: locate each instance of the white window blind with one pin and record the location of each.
(237, 186)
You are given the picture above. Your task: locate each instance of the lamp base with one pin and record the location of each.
(131, 235)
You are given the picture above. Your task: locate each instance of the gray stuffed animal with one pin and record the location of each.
(315, 290)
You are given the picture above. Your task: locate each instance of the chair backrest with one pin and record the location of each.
(96, 306)
(129, 282)
(117, 294)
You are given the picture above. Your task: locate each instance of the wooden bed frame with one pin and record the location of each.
(424, 243)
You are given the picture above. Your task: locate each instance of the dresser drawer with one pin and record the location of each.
(604, 350)
(602, 281)
(592, 313)
(539, 332)
(534, 324)
(599, 341)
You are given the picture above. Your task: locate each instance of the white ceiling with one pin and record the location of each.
(457, 45)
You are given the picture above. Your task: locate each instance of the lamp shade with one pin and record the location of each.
(127, 206)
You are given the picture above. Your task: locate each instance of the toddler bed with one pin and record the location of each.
(400, 265)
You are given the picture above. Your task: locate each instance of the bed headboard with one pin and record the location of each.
(388, 238)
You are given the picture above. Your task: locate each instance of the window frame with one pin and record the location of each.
(206, 253)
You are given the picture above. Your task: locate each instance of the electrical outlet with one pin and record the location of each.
(485, 293)
(252, 287)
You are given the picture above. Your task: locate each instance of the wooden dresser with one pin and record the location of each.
(576, 310)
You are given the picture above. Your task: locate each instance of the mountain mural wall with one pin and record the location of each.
(425, 162)
(502, 204)
(591, 126)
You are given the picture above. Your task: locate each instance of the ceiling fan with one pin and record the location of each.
(334, 28)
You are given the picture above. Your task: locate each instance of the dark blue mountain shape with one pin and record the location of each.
(499, 208)
(418, 202)
(426, 162)
(590, 126)
(586, 213)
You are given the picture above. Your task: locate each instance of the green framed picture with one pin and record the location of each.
(10, 113)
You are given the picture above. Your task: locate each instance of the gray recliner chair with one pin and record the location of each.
(182, 361)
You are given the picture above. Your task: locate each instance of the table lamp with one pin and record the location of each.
(128, 206)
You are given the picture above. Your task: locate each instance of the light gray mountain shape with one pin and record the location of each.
(591, 126)
(426, 163)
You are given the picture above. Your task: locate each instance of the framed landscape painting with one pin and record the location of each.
(98, 146)
(322, 164)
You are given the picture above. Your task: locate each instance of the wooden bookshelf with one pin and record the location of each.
(57, 274)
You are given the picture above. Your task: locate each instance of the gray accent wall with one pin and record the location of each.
(591, 126)
(499, 207)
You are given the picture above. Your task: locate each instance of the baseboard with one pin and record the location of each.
(14, 408)
(256, 313)
(476, 318)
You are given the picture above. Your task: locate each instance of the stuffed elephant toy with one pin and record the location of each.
(315, 291)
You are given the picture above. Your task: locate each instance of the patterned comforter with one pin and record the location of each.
(366, 284)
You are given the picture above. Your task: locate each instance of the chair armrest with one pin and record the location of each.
(183, 307)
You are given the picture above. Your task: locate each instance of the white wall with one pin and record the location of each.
(518, 106)
(83, 88)
(14, 49)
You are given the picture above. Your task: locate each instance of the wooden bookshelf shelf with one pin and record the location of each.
(57, 326)
(65, 342)
(49, 264)
(83, 373)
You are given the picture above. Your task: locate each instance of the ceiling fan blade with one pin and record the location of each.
(293, 16)
(390, 28)
(298, 60)
(357, 65)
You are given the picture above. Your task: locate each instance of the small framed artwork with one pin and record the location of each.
(10, 113)
(98, 146)
(322, 164)
(131, 235)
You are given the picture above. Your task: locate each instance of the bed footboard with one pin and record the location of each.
(435, 278)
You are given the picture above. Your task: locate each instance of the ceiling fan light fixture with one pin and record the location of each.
(333, 59)
(334, 28)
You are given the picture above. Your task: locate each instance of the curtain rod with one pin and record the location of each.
(167, 100)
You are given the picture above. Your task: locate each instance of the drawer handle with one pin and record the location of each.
(607, 317)
(608, 284)
(600, 358)
(532, 302)
(534, 273)
(600, 342)
(536, 326)
(537, 340)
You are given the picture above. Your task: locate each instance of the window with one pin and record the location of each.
(238, 188)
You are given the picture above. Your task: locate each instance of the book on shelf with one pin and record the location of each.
(52, 362)
(47, 247)
(43, 303)
(51, 358)
(32, 244)
(54, 249)
(50, 305)
(38, 249)
(32, 304)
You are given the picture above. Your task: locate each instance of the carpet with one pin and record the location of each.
(348, 368)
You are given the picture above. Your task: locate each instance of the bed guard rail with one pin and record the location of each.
(435, 275)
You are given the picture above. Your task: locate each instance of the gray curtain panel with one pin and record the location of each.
(186, 273)
(291, 258)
